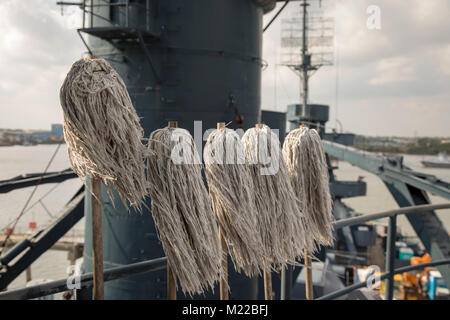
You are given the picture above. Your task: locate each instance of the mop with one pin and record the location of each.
(305, 159)
(103, 136)
(231, 190)
(182, 210)
(280, 221)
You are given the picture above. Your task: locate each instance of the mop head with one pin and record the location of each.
(279, 220)
(102, 130)
(305, 159)
(182, 210)
(231, 190)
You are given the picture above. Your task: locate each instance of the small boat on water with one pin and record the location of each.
(441, 162)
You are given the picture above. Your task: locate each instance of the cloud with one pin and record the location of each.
(393, 75)
(398, 75)
(37, 47)
(394, 70)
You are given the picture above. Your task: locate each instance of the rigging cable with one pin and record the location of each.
(33, 205)
(29, 198)
(276, 15)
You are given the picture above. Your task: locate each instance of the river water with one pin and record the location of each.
(17, 160)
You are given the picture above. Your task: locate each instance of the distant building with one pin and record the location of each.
(57, 131)
(55, 134)
(18, 136)
(41, 135)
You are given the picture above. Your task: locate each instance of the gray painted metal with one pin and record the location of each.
(363, 294)
(41, 241)
(408, 188)
(389, 170)
(347, 189)
(15, 251)
(390, 257)
(340, 212)
(339, 293)
(375, 216)
(86, 281)
(316, 113)
(275, 120)
(286, 282)
(347, 139)
(199, 57)
(160, 263)
(33, 179)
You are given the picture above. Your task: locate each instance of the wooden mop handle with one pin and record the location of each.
(172, 124)
(171, 278)
(267, 284)
(97, 239)
(223, 245)
(308, 278)
(171, 284)
(223, 280)
(267, 273)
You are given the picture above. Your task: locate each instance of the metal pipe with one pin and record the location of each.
(358, 285)
(86, 281)
(304, 65)
(92, 13)
(390, 257)
(41, 178)
(98, 16)
(15, 251)
(88, 49)
(276, 15)
(84, 13)
(286, 282)
(147, 14)
(405, 210)
(126, 17)
(64, 3)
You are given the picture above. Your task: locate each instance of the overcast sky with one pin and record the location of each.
(392, 81)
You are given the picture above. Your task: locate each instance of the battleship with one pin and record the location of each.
(202, 60)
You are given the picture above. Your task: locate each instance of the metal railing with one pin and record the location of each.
(384, 276)
(390, 248)
(88, 10)
(86, 280)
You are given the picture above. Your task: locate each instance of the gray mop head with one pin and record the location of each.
(102, 130)
(231, 189)
(182, 210)
(305, 159)
(279, 219)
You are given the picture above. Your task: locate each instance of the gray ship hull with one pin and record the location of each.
(436, 164)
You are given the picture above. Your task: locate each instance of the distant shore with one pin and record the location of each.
(31, 145)
(405, 150)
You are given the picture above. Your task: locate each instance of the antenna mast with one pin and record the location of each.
(307, 44)
(306, 60)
